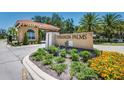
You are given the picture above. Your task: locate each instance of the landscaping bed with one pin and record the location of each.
(16, 43)
(74, 64)
(110, 65)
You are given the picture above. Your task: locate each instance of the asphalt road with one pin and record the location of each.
(11, 67)
(119, 49)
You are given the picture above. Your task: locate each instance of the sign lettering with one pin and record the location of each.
(78, 40)
(82, 36)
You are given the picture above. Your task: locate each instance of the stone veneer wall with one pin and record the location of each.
(79, 40)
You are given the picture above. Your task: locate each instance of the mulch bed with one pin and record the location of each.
(64, 76)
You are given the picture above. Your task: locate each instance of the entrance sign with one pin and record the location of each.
(78, 40)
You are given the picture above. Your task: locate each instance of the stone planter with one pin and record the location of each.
(35, 72)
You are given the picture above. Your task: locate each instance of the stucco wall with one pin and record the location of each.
(79, 40)
(50, 38)
(23, 29)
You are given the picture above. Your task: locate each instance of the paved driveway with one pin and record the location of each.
(110, 48)
(11, 58)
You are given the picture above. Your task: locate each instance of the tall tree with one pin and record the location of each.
(56, 20)
(120, 30)
(37, 18)
(2, 33)
(110, 23)
(43, 34)
(39, 36)
(76, 28)
(25, 41)
(68, 26)
(42, 19)
(89, 22)
(12, 31)
(46, 20)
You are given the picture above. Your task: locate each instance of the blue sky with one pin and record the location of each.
(7, 19)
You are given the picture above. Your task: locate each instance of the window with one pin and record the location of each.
(31, 34)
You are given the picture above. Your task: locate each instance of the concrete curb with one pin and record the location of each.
(35, 72)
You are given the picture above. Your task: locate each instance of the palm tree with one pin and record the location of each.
(120, 32)
(89, 22)
(110, 23)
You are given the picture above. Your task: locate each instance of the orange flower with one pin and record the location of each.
(110, 65)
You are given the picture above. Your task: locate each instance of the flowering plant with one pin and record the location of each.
(110, 65)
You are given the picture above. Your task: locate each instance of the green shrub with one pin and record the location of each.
(97, 52)
(15, 43)
(76, 67)
(9, 39)
(35, 42)
(38, 57)
(35, 54)
(59, 68)
(47, 62)
(39, 54)
(63, 53)
(80, 76)
(40, 51)
(39, 36)
(59, 59)
(74, 51)
(53, 49)
(87, 74)
(86, 55)
(25, 41)
(82, 71)
(75, 57)
(49, 56)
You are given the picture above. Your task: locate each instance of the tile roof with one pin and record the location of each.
(39, 25)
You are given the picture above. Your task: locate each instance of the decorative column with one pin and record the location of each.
(50, 38)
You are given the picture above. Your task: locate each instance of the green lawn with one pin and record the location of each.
(112, 44)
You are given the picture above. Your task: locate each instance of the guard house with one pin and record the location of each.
(32, 28)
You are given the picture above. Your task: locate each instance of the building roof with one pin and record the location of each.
(37, 24)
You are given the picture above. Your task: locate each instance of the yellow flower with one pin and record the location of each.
(110, 65)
